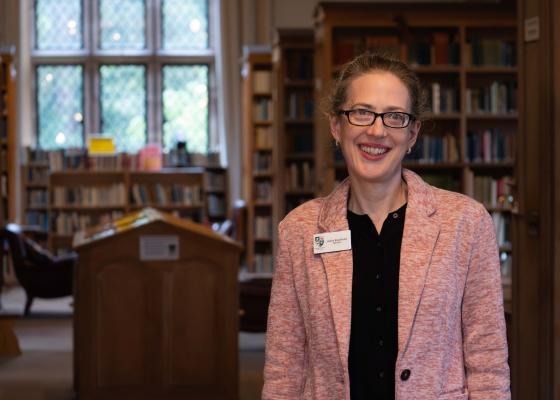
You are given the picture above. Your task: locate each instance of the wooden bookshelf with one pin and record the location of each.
(35, 195)
(465, 54)
(293, 123)
(259, 158)
(7, 138)
(35, 190)
(82, 198)
(216, 194)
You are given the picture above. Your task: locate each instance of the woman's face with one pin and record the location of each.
(374, 153)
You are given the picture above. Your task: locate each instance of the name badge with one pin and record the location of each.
(331, 241)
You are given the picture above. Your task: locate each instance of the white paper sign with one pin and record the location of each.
(159, 247)
(331, 241)
(532, 31)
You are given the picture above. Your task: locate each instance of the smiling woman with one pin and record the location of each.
(412, 308)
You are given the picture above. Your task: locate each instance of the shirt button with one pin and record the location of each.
(378, 243)
(378, 308)
(377, 276)
(382, 374)
(381, 343)
(405, 374)
(395, 215)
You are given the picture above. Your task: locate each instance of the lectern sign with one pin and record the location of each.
(159, 247)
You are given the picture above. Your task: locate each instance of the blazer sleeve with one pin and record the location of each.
(484, 330)
(285, 357)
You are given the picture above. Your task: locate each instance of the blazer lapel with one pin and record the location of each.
(420, 235)
(338, 268)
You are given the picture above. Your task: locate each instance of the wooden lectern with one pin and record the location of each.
(156, 310)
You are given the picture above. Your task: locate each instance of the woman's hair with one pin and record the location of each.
(368, 62)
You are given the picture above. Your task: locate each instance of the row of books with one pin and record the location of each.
(113, 195)
(69, 223)
(299, 65)
(346, 49)
(506, 272)
(37, 198)
(263, 110)
(431, 149)
(442, 48)
(263, 137)
(37, 176)
(299, 176)
(262, 81)
(39, 219)
(262, 162)
(502, 224)
(216, 206)
(490, 146)
(491, 52)
(498, 98)
(264, 263)
(3, 125)
(79, 159)
(263, 191)
(443, 99)
(3, 159)
(35, 156)
(215, 181)
(3, 185)
(263, 227)
(299, 105)
(163, 195)
(492, 192)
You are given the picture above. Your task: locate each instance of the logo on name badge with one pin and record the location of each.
(331, 241)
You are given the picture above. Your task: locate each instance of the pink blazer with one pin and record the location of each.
(451, 329)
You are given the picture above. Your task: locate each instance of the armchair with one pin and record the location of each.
(40, 274)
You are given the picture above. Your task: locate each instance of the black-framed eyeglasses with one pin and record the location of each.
(391, 119)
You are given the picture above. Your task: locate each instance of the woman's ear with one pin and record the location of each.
(414, 130)
(334, 123)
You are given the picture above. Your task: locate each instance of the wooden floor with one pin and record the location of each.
(44, 370)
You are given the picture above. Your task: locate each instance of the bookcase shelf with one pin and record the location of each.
(7, 138)
(294, 123)
(107, 195)
(259, 155)
(465, 54)
(34, 189)
(45, 171)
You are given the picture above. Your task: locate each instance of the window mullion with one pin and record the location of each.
(92, 98)
(151, 100)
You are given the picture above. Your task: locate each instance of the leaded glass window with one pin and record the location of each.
(185, 24)
(123, 105)
(122, 24)
(124, 73)
(58, 25)
(60, 106)
(185, 106)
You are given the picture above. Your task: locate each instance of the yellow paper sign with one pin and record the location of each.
(101, 145)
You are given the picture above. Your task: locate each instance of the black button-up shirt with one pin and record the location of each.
(375, 289)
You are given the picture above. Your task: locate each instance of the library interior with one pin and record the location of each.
(149, 150)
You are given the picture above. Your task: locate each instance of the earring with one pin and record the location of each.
(409, 150)
(336, 144)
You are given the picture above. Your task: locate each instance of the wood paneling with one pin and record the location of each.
(157, 329)
(537, 284)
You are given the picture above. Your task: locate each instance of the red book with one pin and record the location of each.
(440, 42)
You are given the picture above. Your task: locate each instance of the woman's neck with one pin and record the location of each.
(377, 199)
